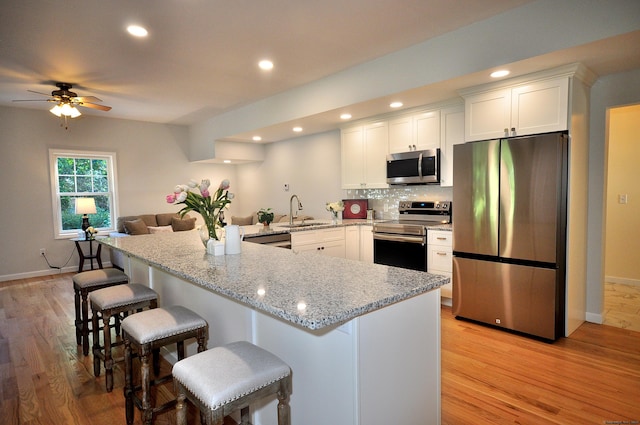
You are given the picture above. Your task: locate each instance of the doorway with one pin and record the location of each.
(622, 219)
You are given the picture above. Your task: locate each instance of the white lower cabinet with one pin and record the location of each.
(359, 243)
(329, 242)
(440, 257)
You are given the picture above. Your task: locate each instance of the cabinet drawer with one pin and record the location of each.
(439, 237)
(439, 259)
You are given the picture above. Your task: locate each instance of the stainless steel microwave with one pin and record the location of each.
(414, 167)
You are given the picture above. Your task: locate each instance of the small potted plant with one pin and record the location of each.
(265, 216)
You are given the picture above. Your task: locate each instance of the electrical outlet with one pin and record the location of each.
(622, 199)
(43, 251)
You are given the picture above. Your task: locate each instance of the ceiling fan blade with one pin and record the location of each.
(84, 99)
(38, 92)
(32, 100)
(94, 106)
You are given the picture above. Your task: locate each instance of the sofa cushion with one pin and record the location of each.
(149, 219)
(179, 225)
(243, 221)
(165, 218)
(160, 229)
(136, 227)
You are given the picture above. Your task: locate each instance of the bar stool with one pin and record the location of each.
(113, 302)
(145, 333)
(224, 379)
(86, 282)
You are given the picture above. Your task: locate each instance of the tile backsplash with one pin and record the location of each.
(385, 201)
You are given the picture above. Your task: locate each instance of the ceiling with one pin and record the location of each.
(200, 58)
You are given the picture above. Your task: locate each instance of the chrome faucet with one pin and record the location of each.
(291, 208)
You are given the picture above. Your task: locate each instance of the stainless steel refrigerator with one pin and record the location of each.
(509, 233)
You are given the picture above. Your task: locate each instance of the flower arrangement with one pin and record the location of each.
(90, 233)
(335, 208)
(208, 206)
(265, 216)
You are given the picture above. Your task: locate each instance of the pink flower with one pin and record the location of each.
(171, 198)
(205, 193)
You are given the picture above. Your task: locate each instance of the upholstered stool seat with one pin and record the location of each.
(112, 302)
(145, 333)
(224, 379)
(83, 283)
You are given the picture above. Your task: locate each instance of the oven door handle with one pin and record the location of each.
(400, 238)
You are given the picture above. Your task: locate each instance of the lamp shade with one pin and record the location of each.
(85, 206)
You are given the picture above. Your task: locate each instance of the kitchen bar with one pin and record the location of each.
(363, 340)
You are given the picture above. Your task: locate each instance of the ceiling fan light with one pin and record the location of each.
(56, 110)
(75, 113)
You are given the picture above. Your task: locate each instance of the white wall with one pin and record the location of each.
(612, 90)
(151, 159)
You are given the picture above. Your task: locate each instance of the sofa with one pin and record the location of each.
(145, 224)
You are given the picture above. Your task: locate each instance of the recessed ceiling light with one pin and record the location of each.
(345, 116)
(297, 129)
(395, 104)
(500, 73)
(256, 138)
(265, 64)
(137, 31)
(227, 161)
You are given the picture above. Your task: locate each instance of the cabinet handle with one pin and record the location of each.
(441, 253)
(513, 131)
(409, 146)
(441, 238)
(506, 132)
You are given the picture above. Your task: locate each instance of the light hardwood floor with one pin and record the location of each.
(622, 306)
(488, 376)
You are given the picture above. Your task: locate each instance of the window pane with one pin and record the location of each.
(99, 167)
(70, 220)
(100, 184)
(66, 184)
(65, 166)
(83, 167)
(84, 184)
(102, 218)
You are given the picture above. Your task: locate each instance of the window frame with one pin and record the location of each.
(112, 194)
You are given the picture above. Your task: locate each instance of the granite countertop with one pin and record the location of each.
(307, 289)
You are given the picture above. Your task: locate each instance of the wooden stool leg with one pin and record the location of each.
(128, 381)
(284, 410)
(76, 299)
(108, 360)
(85, 322)
(147, 413)
(244, 416)
(181, 409)
(96, 343)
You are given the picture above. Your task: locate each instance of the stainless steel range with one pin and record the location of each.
(403, 242)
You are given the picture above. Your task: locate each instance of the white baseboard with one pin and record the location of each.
(594, 318)
(446, 301)
(47, 272)
(622, 280)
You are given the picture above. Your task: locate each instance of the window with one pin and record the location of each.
(77, 174)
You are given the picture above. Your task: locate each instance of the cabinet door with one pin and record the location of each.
(540, 107)
(427, 130)
(352, 242)
(366, 244)
(401, 135)
(452, 133)
(333, 249)
(487, 115)
(375, 155)
(352, 158)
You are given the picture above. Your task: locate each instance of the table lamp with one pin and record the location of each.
(85, 206)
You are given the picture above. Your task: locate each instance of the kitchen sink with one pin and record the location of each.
(296, 225)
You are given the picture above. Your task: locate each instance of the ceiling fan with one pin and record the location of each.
(66, 101)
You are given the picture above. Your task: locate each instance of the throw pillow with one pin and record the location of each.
(136, 227)
(179, 225)
(160, 229)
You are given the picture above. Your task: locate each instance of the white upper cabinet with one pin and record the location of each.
(535, 107)
(452, 133)
(419, 131)
(364, 156)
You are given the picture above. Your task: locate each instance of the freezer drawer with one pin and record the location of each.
(515, 297)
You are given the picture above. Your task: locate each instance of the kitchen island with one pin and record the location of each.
(363, 340)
